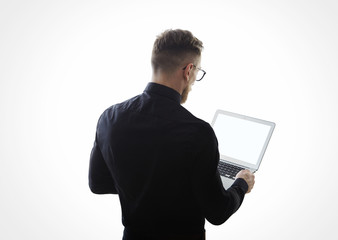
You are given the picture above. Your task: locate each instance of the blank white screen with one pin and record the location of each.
(240, 139)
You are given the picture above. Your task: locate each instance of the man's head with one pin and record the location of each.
(174, 52)
(173, 48)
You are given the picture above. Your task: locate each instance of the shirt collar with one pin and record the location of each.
(162, 90)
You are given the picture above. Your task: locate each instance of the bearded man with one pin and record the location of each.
(159, 158)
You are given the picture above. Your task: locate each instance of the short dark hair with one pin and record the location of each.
(173, 47)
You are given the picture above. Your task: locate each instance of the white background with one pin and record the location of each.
(63, 62)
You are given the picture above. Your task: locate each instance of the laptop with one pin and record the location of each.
(242, 142)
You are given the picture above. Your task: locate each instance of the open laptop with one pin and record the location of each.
(242, 142)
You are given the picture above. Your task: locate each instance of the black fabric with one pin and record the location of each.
(162, 162)
(130, 235)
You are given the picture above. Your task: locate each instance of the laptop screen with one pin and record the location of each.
(240, 138)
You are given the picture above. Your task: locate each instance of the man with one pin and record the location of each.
(159, 158)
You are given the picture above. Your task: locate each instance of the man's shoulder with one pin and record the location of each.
(202, 126)
(116, 109)
(190, 116)
(121, 105)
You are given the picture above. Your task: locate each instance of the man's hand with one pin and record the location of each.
(249, 177)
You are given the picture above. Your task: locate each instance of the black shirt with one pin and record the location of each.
(162, 162)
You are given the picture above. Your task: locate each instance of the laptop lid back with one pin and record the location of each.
(242, 140)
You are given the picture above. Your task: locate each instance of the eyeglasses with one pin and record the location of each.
(201, 73)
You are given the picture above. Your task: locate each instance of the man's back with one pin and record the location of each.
(150, 142)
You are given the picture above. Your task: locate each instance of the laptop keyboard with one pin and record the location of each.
(228, 170)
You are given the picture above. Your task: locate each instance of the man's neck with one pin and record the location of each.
(169, 81)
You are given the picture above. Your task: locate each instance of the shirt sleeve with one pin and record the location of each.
(217, 203)
(100, 179)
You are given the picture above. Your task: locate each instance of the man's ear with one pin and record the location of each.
(187, 71)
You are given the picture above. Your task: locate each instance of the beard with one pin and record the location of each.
(185, 94)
